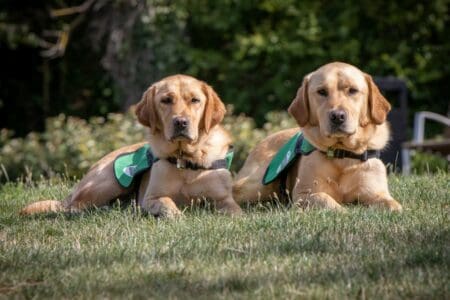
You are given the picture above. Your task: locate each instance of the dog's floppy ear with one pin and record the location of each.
(299, 107)
(378, 105)
(146, 111)
(214, 108)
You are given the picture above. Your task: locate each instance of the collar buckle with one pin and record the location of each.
(181, 163)
(330, 153)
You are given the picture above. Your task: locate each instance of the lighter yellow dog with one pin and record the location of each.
(337, 107)
(184, 116)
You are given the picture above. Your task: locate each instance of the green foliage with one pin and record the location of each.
(425, 163)
(270, 252)
(69, 146)
(256, 53)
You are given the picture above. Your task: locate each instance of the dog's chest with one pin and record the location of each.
(192, 186)
(353, 179)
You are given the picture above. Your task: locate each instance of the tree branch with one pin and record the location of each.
(59, 48)
(61, 12)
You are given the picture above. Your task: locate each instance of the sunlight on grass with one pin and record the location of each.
(270, 252)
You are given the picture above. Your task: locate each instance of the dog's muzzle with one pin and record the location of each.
(338, 123)
(337, 117)
(181, 128)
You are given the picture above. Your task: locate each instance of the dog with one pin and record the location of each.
(183, 115)
(342, 115)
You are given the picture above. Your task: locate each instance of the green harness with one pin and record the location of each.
(128, 166)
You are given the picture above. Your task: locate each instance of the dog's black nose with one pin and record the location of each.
(180, 123)
(338, 116)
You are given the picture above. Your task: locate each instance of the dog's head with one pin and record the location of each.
(339, 99)
(181, 108)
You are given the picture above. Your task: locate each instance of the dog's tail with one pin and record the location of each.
(45, 206)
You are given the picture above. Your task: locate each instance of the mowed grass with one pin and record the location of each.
(271, 252)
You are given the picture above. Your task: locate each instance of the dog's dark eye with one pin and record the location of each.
(166, 100)
(195, 100)
(322, 92)
(352, 91)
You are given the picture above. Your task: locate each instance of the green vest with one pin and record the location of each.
(129, 165)
(287, 154)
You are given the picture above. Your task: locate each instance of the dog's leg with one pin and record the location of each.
(160, 207)
(249, 190)
(95, 191)
(155, 194)
(313, 190)
(369, 186)
(217, 186)
(97, 188)
(381, 199)
(222, 194)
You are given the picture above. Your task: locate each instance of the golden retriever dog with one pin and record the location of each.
(340, 111)
(183, 115)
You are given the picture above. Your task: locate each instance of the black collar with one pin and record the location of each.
(187, 164)
(339, 153)
(304, 147)
(182, 163)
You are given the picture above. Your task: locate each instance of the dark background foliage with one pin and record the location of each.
(254, 53)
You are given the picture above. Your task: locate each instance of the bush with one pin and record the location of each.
(423, 163)
(69, 145)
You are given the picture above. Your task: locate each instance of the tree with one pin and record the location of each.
(254, 53)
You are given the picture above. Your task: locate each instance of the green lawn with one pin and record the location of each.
(270, 252)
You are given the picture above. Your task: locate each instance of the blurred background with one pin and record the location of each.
(70, 69)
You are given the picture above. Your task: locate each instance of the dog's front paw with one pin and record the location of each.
(229, 207)
(393, 205)
(231, 210)
(162, 208)
(318, 201)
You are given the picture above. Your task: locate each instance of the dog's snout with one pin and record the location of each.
(338, 116)
(180, 123)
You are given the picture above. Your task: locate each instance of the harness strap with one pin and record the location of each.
(299, 152)
(224, 163)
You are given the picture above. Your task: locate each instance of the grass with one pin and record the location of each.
(271, 252)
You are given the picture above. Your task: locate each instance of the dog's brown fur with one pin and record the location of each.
(165, 186)
(315, 180)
